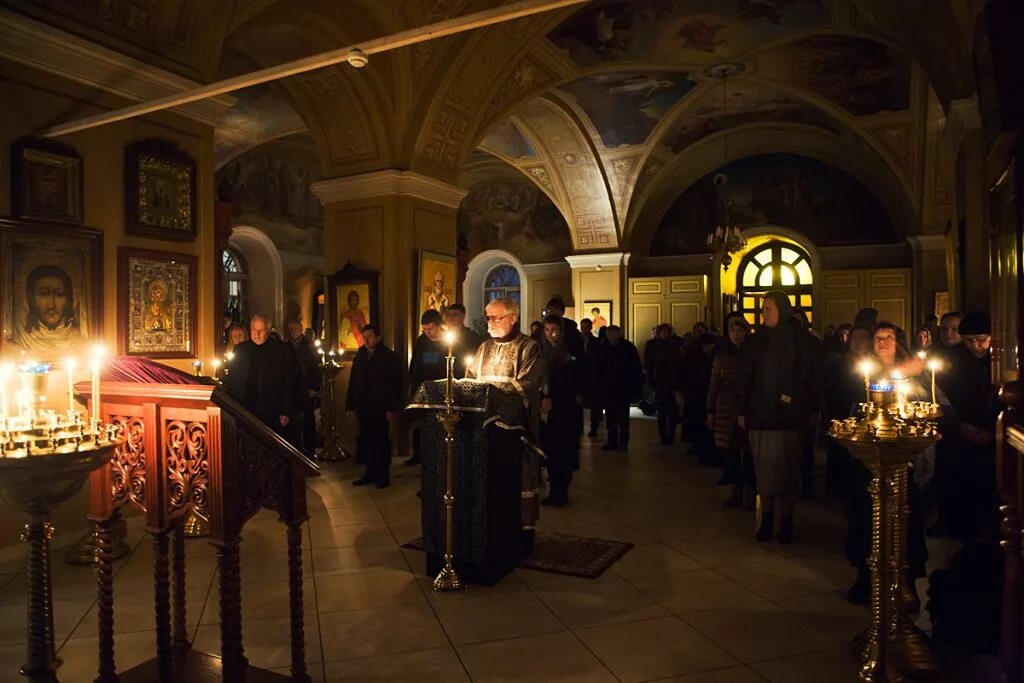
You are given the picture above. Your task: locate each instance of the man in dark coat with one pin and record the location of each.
(375, 395)
(308, 384)
(466, 340)
(621, 376)
(573, 339)
(664, 365)
(428, 363)
(264, 377)
(974, 500)
(591, 360)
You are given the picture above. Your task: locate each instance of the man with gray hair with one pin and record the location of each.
(514, 361)
(264, 376)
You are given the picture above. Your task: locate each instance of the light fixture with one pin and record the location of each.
(727, 238)
(357, 58)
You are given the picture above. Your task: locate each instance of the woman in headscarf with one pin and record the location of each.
(723, 399)
(561, 420)
(778, 397)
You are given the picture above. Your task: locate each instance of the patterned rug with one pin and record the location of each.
(564, 554)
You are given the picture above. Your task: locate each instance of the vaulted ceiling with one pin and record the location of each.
(611, 108)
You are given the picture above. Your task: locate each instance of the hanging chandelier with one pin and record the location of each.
(727, 238)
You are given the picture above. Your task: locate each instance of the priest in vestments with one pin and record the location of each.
(514, 362)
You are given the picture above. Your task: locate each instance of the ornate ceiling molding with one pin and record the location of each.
(390, 182)
(598, 260)
(33, 43)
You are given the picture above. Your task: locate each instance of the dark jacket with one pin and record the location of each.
(970, 389)
(620, 372)
(723, 397)
(765, 354)
(264, 378)
(663, 359)
(571, 337)
(428, 362)
(309, 362)
(375, 386)
(560, 434)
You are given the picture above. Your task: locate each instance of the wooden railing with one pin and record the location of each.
(1010, 479)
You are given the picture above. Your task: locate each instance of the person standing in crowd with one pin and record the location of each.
(778, 394)
(698, 348)
(664, 365)
(466, 340)
(561, 400)
(947, 451)
(622, 376)
(591, 362)
(572, 338)
(723, 406)
(922, 340)
(949, 336)
(375, 396)
(236, 335)
(308, 384)
(844, 389)
(811, 435)
(428, 363)
(973, 499)
(264, 377)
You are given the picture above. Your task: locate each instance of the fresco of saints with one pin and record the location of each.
(351, 322)
(598, 319)
(438, 299)
(157, 316)
(51, 321)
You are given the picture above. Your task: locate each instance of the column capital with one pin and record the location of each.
(389, 182)
(598, 260)
(963, 115)
(935, 241)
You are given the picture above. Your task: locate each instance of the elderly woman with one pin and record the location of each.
(723, 405)
(778, 396)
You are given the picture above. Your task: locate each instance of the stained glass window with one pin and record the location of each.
(775, 265)
(236, 296)
(502, 281)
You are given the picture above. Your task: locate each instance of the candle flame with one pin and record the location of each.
(866, 367)
(98, 351)
(922, 354)
(215, 363)
(469, 360)
(449, 338)
(934, 365)
(230, 356)
(71, 364)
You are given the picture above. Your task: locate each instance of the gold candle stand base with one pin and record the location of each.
(447, 579)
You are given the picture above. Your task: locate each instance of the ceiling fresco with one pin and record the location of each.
(826, 204)
(741, 103)
(516, 217)
(861, 76)
(681, 31)
(626, 106)
(505, 139)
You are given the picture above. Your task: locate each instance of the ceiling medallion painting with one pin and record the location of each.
(506, 140)
(516, 217)
(683, 31)
(626, 106)
(861, 76)
(829, 206)
(745, 102)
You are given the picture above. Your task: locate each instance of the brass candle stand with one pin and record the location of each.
(885, 438)
(45, 458)
(447, 579)
(330, 367)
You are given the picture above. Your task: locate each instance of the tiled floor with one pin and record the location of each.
(696, 601)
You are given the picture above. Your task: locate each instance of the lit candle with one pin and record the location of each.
(70, 364)
(97, 364)
(449, 339)
(865, 367)
(215, 364)
(934, 365)
(198, 367)
(922, 354)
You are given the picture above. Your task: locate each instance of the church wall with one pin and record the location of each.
(546, 281)
(33, 100)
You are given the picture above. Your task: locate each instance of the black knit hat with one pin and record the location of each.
(976, 322)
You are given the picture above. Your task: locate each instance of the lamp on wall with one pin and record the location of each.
(727, 238)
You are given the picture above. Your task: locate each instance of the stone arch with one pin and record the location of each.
(266, 293)
(479, 268)
(859, 161)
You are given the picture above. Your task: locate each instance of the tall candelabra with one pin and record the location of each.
(447, 579)
(330, 366)
(885, 437)
(45, 458)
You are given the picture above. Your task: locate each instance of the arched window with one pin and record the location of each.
(776, 265)
(502, 281)
(236, 299)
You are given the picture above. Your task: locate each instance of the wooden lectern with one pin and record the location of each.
(191, 448)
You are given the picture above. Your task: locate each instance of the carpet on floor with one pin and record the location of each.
(564, 554)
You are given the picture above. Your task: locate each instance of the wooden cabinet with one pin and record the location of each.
(844, 292)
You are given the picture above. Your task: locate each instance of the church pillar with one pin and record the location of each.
(929, 254)
(381, 221)
(965, 139)
(599, 278)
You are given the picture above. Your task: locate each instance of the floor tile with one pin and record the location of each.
(481, 619)
(652, 560)
(379, 631)
(723, 551)
(834, 666)
(831, 613)
(695, 591)
(371, 558)
(761, 631)
(778, 579)
(263, 600)
(435, 666)
(733, 674)
(266, 642)
(350, 536)
(552, 657)
(81, 658)
(375, 589)
(658, 648)
(605, 602)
